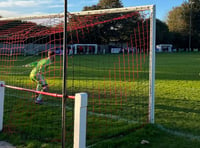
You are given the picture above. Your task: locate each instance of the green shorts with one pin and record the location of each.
(39, 78)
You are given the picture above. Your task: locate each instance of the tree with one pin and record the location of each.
(107, 4)
(177, 19)
(104, 4)
(163, 36)
(179, 23)
(109, 31)
(93, 7)
(195, 21)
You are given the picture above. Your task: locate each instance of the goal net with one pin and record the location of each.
(110, 55)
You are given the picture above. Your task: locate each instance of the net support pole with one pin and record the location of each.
(2, 92)
(152, 64)
(64, 87)
(80, 118)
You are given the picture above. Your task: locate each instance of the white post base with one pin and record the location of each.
(80, 118)
(2, 91)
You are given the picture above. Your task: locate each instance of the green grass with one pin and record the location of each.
(177, 92)
(177, 102)
(156, 138)
(177, 107)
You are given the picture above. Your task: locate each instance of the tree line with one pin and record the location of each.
(183, 24)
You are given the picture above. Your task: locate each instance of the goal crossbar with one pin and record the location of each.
(82, 13)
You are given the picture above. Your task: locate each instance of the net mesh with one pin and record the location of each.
(108, 57)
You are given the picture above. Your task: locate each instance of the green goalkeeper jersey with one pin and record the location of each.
(40, 66)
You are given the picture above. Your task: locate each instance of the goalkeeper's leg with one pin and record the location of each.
(41, 86)
(38, 87)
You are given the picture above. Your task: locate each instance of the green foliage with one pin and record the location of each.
(103, 34)
(176, 19)
(163, 36)
(107, 28)
(113, 31)
(110, 4)
(179, 23)
(105, 4)
(11, 25)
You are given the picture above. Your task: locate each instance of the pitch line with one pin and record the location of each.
(181, 134)
(177, 133)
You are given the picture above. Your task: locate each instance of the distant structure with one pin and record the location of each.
(164, 48)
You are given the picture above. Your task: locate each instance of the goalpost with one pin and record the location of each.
(1, 105)
(120, 86)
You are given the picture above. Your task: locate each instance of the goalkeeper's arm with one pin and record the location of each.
(31, 64)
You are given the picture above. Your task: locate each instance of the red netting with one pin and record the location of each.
(108, 57)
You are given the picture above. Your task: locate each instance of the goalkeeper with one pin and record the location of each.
(37, 76)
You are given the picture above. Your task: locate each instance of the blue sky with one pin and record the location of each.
(16, 8)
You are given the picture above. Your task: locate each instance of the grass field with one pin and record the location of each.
(177, 109)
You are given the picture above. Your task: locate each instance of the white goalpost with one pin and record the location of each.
(152, 64)
(2, 93)
(80, 120)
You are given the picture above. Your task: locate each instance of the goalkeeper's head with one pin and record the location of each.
(51, 55)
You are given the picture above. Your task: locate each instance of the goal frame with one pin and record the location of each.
(152, 41)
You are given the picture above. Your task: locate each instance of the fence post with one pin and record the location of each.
(80, 118)
(2, 89)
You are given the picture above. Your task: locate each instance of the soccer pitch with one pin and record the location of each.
(177, 88)
(177, 101)
(177, 92)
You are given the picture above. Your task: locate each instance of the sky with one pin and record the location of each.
(18, 8)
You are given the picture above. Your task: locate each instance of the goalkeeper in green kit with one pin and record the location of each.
(37, 76)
